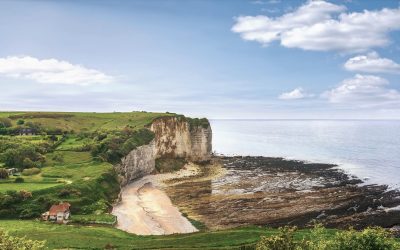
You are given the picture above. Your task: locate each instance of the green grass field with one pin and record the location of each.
(78, 121)
(97, 237)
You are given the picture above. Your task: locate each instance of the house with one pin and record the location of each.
(12, 171)
(27, 131)
(59, 213)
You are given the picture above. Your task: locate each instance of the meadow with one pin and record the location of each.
(98, 237)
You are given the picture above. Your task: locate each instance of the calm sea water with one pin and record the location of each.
(369, 149)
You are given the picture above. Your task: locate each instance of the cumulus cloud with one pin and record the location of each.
(367, 89)
(51, 71)
(322, 26)
(297, 93)
(372, 63)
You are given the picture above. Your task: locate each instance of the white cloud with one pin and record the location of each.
(313, 26)
(297, 93)
(51, 71)
(372, 63)
(265, 30)
(363, 89)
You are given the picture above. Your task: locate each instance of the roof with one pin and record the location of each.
(62, 207)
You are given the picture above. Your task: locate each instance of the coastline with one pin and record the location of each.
(244, 190)
(276, 192)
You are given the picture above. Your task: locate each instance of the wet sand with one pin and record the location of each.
(145, 209)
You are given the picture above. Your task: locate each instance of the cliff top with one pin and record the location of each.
(90, 121)
(80, 121)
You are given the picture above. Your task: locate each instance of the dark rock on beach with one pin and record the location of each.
(277, 192)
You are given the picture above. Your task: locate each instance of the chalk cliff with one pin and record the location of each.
(173, 137)
(181, 137)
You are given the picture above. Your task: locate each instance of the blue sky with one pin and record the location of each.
(219, 59)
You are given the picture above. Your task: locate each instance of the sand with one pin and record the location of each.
(145, 209)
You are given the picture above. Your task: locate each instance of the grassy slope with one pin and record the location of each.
(59, 236)
(89, 179)
(78, 121)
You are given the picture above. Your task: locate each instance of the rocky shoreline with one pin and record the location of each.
(277, 192)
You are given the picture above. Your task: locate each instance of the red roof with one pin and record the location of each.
(62, 207)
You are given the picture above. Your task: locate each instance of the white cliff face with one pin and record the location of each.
(138, 163)
(173, 138)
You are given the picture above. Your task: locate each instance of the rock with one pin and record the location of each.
(174, 137)
(322, 215)
(138, 163)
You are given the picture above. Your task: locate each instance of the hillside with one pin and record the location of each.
(65, 157)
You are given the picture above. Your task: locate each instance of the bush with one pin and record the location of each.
(5, 122)
(119, 143)
(20, 122)
(3, 173)
(320, 239)
(58, 157)
(27, 163)
(30, 171)
(11, 242)
(283, 241)
(19, 180)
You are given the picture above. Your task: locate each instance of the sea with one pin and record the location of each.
(366, 149)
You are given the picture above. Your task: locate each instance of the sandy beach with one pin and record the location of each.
(145, 209)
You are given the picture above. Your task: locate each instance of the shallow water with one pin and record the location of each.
(368, 149)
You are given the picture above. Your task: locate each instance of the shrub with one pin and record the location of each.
(20, 122)
(27, 163)
(58, 157)
(19, 180)
(11, 242)
(3, 173)
(284, 240)
(368, 239)
(30, 171)
(5, 122)
(319, 239)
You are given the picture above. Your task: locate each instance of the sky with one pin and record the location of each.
(247, 59)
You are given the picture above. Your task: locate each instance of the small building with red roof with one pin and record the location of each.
(59, 213)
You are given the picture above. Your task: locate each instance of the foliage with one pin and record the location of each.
(320, 239)
(8, 242)
(3, 173)
(19, 180)
(194, 122)
(118, 144)
(20, 122)
(30, 171)
(5, 122)
(284, 240)
(22, 152)
(368, 239)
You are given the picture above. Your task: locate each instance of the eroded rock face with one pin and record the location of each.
(138, 163)
(175, 137)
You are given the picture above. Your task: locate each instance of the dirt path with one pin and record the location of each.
(145, 209)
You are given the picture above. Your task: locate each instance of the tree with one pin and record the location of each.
(5, 122)
(8, 242)
(3, 173)
(20, 122)
(27, 163)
